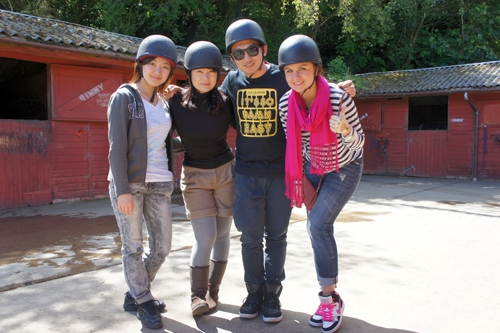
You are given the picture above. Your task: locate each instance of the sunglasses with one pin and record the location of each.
(252, 51)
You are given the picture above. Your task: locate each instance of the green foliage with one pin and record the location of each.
(354, 36)
(337, 71)
(307, 11)
(366, 30)
(177, 19)
(438, 33)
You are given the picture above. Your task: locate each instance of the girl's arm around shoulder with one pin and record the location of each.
(224, 87)
(178, 146)
(228, 107)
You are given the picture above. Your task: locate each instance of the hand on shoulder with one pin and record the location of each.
(171, 90)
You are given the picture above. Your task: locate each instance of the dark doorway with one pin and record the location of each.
(428, 113)
(23, 89)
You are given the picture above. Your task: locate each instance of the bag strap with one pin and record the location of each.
(319, 184)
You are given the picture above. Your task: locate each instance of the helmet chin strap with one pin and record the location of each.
(315, 78)
(302, 95)
(153, 96)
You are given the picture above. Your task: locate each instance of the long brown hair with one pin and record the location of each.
(137, 75)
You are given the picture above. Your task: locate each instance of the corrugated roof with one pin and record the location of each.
(482, 76)
(44, 31)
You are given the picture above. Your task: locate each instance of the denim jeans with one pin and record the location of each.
(336, 190)
(151, 206)
(262, 211)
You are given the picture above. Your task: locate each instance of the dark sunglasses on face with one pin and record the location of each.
(252, 51)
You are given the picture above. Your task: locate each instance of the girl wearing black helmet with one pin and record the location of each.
(261, 209)
(141, 181)
(324, 143)
(201, 116)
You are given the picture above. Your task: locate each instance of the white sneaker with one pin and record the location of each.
(328, 316)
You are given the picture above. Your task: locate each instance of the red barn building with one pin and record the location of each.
(441, 122)
(55, 82)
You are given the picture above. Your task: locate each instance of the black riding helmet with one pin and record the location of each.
(298, 48)
(244, 29)
(157, 46)
(202, 55)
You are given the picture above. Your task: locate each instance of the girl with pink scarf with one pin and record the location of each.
(324, 143)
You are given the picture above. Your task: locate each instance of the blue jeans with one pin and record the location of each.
(261, 210)
(152, 206)
(336, 190)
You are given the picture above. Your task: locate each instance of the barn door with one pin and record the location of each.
(24, 163)
(426, 136)
(426, 154)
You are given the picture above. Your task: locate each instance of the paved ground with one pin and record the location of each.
(416, 255)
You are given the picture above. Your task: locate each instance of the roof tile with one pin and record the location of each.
(485, 75)
(44, 31)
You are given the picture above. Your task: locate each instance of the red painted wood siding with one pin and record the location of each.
(426, 155)
(370, 115)
(435, 153)
(392, 160)
(82, 93)
(24, 163)
(460, 137)
(489, 136)
(79, 153)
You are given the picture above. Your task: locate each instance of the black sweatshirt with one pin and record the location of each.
(203, 135)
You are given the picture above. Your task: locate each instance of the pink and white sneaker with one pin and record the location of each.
(329, 313)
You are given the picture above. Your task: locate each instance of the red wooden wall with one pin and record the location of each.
(79, 159)
(24, 163)
(460, 137)
(390, 135)
(489, 136)
(79, 146)
(440, 154)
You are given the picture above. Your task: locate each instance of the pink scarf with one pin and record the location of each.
(322, 139)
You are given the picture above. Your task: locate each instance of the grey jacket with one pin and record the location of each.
(128, 144)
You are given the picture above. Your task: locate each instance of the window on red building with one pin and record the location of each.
(23, 89)
(428, 113)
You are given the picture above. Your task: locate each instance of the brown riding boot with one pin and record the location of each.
(199, 289)
(217, 270)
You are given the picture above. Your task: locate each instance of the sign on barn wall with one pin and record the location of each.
(82, 93)
(370, 115)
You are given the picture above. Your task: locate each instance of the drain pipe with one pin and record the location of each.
(476, 134)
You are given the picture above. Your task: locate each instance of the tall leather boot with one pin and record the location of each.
(199, 289)
(217, 270)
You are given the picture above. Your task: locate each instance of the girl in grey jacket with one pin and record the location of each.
(141, 181)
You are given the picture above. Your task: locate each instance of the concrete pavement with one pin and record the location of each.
(416, 255)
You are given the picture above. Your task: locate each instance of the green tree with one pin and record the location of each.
(436, 33)
(76, 11)
(473, 38)
(354, 36)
